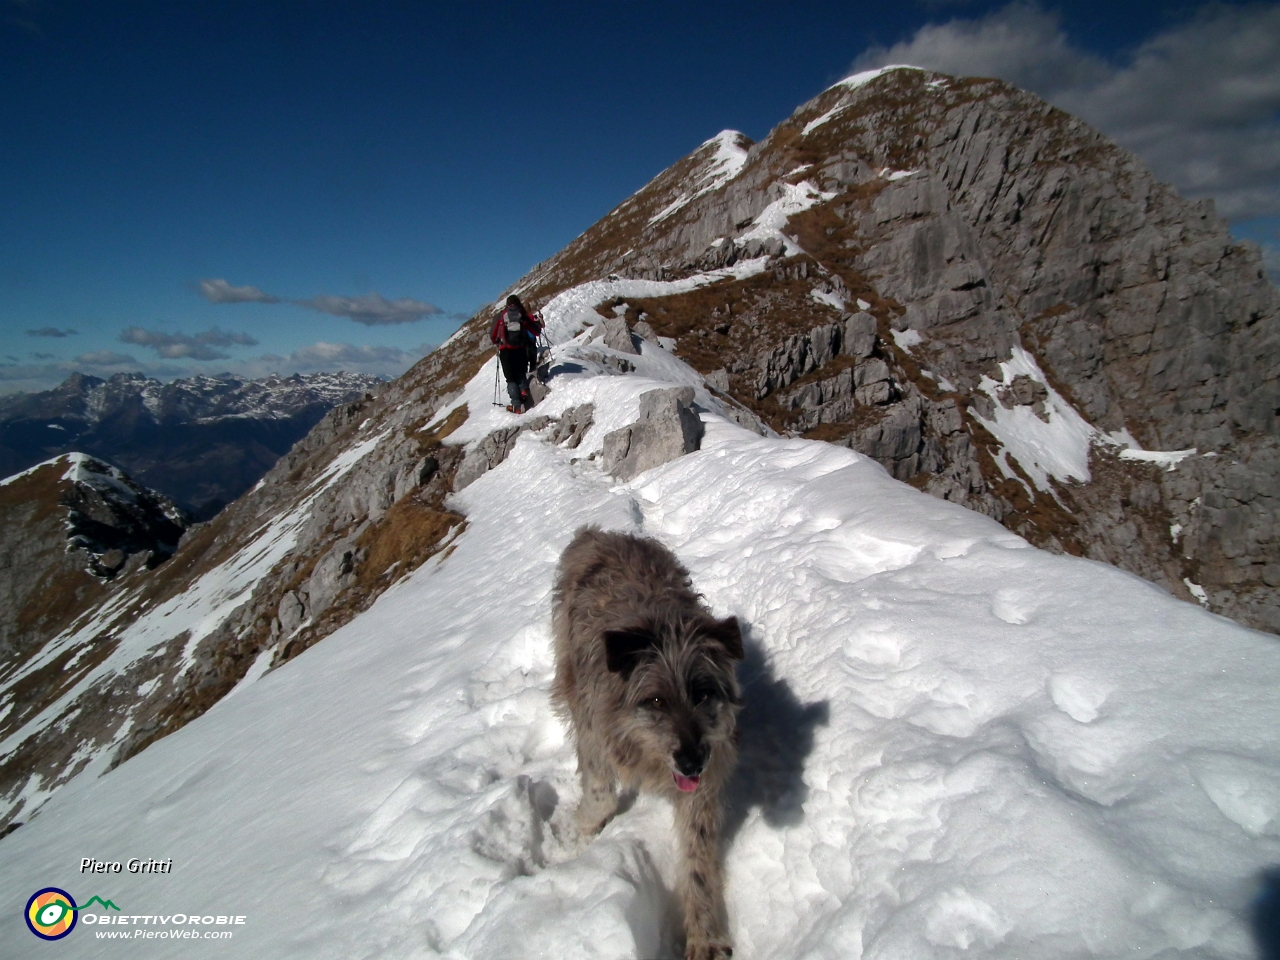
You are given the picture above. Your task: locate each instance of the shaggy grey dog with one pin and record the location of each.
(645, 679)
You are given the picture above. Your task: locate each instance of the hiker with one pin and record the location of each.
(515, 334)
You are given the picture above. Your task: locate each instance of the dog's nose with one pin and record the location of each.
(691, 759)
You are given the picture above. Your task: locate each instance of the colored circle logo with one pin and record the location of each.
(51, 913)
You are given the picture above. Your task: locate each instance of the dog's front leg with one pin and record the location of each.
(599, 794)
(706, 933)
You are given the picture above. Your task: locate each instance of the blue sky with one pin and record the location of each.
(380, 169)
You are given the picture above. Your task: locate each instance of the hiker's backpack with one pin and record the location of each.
(513, 331)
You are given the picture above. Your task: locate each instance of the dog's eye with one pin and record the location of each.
(700, 695)
(657, 703)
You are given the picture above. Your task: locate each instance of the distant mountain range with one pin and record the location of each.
(202, 442)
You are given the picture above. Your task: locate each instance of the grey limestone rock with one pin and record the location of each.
(644, 331)
(334, 572)
(859, 334)
(616, 336)
(290, 613)
(668, 428)
(573, 425)
(486, 455)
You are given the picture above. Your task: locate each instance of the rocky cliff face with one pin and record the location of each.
(202, 441)
(998, 304)
(992, 300)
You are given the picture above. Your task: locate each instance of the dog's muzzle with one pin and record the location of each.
(690, 761)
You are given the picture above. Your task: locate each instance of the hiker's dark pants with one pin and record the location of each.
(515, 368)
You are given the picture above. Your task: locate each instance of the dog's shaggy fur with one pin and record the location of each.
(645, 679)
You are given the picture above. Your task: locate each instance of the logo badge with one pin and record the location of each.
(51, 913)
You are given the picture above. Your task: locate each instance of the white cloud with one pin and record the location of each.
(1198, 101)
(182, 346)
(219, 291)
(372, 309)
(104, 358)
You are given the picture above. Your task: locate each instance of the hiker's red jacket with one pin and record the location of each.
(498, 334)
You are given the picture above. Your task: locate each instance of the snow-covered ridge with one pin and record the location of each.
(864, 77)
(90, 471)
(952, 741)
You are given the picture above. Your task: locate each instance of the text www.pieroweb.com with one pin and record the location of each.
(165, 934)
(143, 927)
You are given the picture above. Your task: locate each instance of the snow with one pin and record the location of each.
(906, 339)
(866, 76)
(1058, 448)
(197, 612)
(813, 125)
(1170, 458)
(571, 310)
(1197, 591)
(952, 741)
(829, 298)
(30, 470)
(895, 175)
(725, 164)
(771, 221)
(82, 468)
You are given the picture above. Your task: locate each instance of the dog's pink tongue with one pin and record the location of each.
(687, 784)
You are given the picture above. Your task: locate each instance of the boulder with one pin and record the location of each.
(668, 427)
(616, 336)
(859, 334)
(646, 332)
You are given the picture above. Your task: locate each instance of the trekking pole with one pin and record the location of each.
(496, 364)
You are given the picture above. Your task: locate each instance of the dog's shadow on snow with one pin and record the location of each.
(775, 738)
(1265, 915)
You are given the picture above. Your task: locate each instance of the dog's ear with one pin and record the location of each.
(624, 648)
(729, 635)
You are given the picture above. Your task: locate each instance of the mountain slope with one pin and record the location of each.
(1013, 264)
(202, 441)
(953, 741)
(889, 271)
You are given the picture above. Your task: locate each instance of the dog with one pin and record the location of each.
(645, 681)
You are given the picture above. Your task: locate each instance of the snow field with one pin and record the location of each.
(953, 743)
(1058, 448)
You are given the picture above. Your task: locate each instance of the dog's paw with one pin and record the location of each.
(707, 950)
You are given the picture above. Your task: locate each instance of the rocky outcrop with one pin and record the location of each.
(974, 225)
(668, 427)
